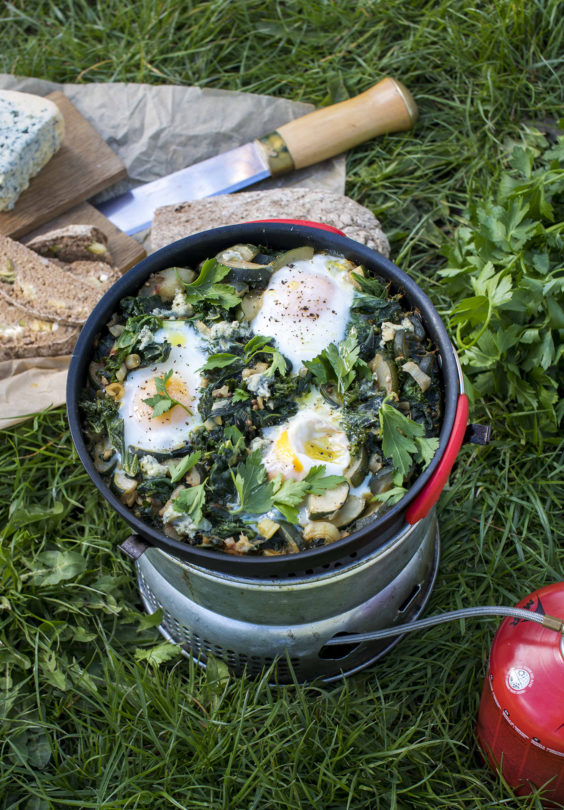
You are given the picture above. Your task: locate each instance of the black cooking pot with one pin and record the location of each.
(282, 236)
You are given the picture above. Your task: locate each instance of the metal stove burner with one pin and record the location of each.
(255, 623)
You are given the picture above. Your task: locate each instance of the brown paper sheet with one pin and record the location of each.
(31, 385)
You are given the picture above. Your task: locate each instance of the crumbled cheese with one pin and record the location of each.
(258, 443)
(144, 337)
(170, 513)
(182, 523)
(389, 329)
(151, 467)
(225, 329)
(180, 306)
(31, 131)
(259, 385)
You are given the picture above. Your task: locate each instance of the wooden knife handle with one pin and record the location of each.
(386, 107)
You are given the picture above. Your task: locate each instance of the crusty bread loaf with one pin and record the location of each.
(173, 222)
(23, 335)
(73, 243)
(36, 286)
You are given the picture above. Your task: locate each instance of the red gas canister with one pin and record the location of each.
(521, 717)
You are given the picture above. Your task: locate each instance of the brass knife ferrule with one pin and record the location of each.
(276, 152)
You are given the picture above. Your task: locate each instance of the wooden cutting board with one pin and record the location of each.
(125, 251)
(83, 166)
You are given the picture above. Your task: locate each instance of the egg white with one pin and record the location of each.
(312, 437)
(171, 430)
(306, 307)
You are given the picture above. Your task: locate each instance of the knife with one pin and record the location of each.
(324, 133)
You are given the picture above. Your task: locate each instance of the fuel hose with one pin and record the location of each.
(552, 622)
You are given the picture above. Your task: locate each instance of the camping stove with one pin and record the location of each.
(285, 622)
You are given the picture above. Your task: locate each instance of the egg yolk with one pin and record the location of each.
(322, 449)
(176, 389)
(284, 453)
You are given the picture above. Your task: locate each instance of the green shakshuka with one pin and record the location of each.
(263, 402)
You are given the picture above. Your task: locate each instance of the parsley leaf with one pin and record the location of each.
(339, 363)
(184, 466)
(255, 492)
(162, 402)
(287, 496)
(207, 287)
(256, 345)
(191, 501)
(426, 450)
(318, 482)
(390, 496)
(257, 495)
(219, 360)
(403, 440)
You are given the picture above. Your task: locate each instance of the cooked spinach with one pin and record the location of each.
(98, 413)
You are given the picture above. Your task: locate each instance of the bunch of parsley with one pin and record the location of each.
(505, 271)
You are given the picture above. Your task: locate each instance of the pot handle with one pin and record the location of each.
(133, 547)
(307, 222)
(426, 499)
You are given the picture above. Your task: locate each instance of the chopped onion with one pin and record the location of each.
(423, 380)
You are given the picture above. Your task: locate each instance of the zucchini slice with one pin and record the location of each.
(237, 253)
(321, 530)
(125, 487)
(167, 282)
(323, 506)
(299, 254)
(385, 374)
(105, 456)
(357, 470)
(251, 304)
(373, 509)
(255, 275)
(352, 508)
(382, 481)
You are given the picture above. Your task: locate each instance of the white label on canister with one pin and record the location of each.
(519, 678)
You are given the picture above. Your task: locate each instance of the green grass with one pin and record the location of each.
(86, 720)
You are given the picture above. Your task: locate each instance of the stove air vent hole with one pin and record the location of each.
(337, 651)
(410, 598)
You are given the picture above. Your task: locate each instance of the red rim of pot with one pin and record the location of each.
(284, 236)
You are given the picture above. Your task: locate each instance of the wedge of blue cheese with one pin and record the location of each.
(31, 131)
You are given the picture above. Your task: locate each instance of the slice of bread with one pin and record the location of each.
(97, 274)
(22, 335)
(39, 288)
(73, 243)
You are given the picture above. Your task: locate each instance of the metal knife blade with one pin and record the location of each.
(231, 171)
(386, 107)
